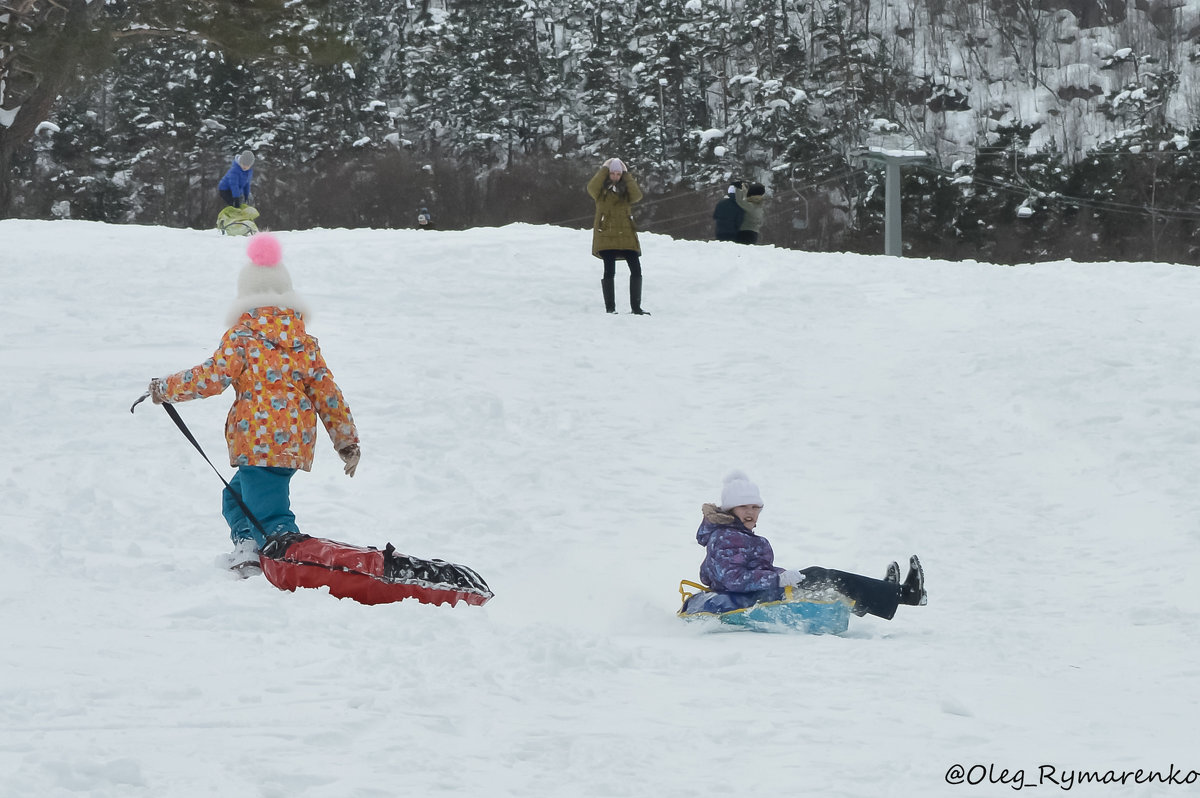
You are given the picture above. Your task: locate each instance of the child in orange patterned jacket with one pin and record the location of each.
(282, 386)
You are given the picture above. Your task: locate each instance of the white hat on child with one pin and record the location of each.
(264, 281)
(739, 490)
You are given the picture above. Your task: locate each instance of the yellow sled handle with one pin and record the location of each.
(685, 593)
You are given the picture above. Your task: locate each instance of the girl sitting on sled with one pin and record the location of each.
(740, 567)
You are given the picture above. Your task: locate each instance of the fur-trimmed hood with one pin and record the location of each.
(715, 515)
(715, 520)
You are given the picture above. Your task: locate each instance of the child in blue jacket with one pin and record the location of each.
(741, 564)
(235, 185)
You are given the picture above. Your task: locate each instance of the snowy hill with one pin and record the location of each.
(1030, 432)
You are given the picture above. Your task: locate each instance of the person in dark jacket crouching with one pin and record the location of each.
(234, 187)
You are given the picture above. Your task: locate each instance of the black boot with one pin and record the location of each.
(893, 574)
(913, 590)
(610, 296)
(635, 295)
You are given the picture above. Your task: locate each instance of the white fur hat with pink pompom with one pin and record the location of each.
(264, 281)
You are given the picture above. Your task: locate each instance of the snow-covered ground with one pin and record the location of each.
(1033, 433)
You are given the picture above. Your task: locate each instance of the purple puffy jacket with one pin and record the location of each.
(736, 560)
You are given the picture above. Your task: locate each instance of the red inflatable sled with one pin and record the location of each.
(367, 575)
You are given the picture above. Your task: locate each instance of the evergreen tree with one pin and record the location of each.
(669, 77)
(45, 45)
(493, 73)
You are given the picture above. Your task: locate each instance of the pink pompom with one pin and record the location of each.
(264, 249)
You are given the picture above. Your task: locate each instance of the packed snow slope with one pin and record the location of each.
(1031, 432)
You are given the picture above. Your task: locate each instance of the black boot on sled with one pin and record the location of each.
(893, 574)
(913, 590)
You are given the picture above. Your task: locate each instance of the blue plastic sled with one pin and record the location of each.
(795, 612)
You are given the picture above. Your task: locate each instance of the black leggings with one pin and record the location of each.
(610, 256)
(226, 195)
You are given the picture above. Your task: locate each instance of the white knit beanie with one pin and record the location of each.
(739, 490)
(264, 281)
(616, 165)
(246, 159)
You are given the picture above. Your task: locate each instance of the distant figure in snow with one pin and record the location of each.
(750, 198)
(727, 217)
(614, 236)
(235, 185)
(424, 219)
(281, 387)
(741, 564)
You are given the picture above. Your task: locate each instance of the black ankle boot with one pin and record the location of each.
(893, 573)
(913, 590)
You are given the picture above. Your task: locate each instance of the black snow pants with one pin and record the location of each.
(870, 596)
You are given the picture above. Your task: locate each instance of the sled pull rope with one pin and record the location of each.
(187, 433)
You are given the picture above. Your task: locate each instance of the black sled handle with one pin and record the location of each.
(187, 433)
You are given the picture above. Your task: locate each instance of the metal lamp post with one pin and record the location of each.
(892, 160)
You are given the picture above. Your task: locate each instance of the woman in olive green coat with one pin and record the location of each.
(614, 236)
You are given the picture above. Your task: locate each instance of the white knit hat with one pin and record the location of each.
(739, 490)
(246, 159)
(264, 281)
(616, 165)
